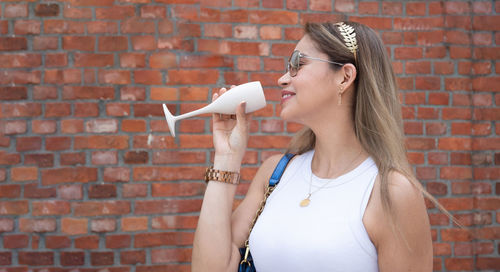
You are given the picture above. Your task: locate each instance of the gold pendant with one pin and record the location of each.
(305, 202)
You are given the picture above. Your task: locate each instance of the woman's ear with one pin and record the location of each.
(349, 73)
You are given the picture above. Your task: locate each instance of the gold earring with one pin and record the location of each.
(340, 95)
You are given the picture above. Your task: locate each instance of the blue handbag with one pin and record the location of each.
(246, 263)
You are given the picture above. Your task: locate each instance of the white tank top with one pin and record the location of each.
(327, 235)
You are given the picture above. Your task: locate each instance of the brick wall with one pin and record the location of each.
(91, 178)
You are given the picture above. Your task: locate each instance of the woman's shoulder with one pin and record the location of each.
(407, 207)
(272, 161)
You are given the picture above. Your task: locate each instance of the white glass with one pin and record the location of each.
(250, 92)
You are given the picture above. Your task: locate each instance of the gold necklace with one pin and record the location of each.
(305, 202)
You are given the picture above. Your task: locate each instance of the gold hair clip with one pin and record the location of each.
(349, 35)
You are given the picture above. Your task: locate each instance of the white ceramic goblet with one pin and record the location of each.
(250, 92)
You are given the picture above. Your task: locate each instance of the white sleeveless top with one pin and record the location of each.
(327, 235)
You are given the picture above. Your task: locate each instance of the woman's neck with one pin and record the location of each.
(337, 150)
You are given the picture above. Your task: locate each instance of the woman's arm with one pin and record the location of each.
(219, 234)
(409, 248)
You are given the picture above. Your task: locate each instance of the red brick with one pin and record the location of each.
(178, 189)
(114, 77)
(87, 242)
(79, 43)
(74, 226)
(454, 143)
(77, 12)
(76, 258)
(461, 264)
(160, 239)
(14, 127)
(40, 42)
(104, 157)
(47, 10)
(70, 191)
(62, 76)
(33, 191)
(6, 225)
(102, 191)
(133, 60)
(455, 172)
(102, 258)
(133, 126)
(9, 159)
(115, 12)
(118, 109)
(460, 52)
(101, 126)
(63, 27)
(13, 93)
(36, 258)
(117, 174)
(13, 44)
(37, 225)
(86, 109)
(93, 60)
(170, 255)
(57, 109)
(56, 242)
(134, 190)
(420, 143)
(134, 223)
(52, 207)
(148, 77)
(167, 206)
(114, 43)
(188, 30)
(133, 257)
(483, 263)
(20, 77)
(136, 157)
(10, 191)
(28, 143)
(175, 222)
(101, 142)
(118, 241)
(487, 203)
(145, 42)
(147, 110)
(439, 98)
(151, 12)
(57, 143)
(73, 158)
(44, 126)
(218, 30)
(75, 92)
(137, 25)
(62, 175)
(20, 60)
(103, 225)
(93, 208)
(16, 10)
(15, 241)
(100, 27)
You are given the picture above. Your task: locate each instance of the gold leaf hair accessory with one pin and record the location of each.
(349, 35)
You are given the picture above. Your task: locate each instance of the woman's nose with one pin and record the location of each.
(284, 80)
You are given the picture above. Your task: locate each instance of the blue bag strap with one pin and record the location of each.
(280, 168)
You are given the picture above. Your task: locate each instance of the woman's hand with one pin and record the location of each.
(230, 136)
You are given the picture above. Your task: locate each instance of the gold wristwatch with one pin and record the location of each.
(222, 176)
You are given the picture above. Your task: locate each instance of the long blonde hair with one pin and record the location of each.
(376, 109)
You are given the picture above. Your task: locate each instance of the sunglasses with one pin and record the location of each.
(294, 62)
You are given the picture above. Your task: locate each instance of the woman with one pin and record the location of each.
(348, 200)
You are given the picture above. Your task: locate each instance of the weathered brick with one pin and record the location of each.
(36, 258)
(47, 10)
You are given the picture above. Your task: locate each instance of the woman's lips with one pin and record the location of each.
(285, 95)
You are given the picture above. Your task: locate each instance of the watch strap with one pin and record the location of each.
(222, 176)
